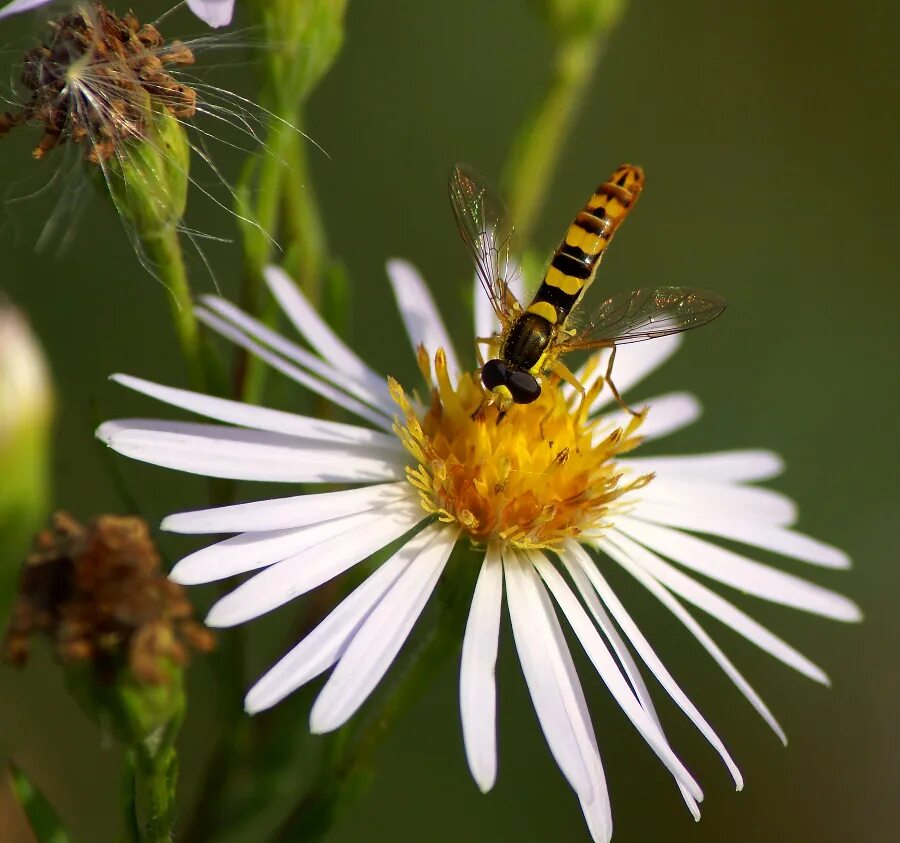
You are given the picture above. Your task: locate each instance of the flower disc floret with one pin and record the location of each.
(534, 477)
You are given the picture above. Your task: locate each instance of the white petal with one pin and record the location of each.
(214, 12)
(633, 363)
(609, 672)
(328, 641)
(703, 598)
(420, 314)
(382, 634)
(591, 584)
(337, 396)
(477, 686)
(550, 645)
(285, 513)
(629, 666)
(18, 6)
(720, 467)
(311, 567)
(319, 335)
(261, 418)
(371, 390)
(555, 690)
(238, 454)
(739, 572)
(667, 414)
(747, 531)
(598, 814)
(748, 503)
(250, 551)
(624, 559)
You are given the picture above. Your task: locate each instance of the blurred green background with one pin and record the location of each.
(769, 132)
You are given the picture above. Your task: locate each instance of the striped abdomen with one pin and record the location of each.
(574, 263)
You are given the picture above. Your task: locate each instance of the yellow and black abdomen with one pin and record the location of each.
(574, 263)
(571, 270)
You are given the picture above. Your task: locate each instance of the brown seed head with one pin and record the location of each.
(98, 592)
(98, 80)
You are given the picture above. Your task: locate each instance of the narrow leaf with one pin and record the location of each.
(43, 820)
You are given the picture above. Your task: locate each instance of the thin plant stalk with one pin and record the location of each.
(540, 140)
(163, 250)
(155, 774)
(305, 39)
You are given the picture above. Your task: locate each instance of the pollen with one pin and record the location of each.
(539, 474)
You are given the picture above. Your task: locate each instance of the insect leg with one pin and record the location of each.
(480, 341)
(561, 369)
(608, 378)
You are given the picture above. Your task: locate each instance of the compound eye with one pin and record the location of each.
(494, 373)
(523, 387)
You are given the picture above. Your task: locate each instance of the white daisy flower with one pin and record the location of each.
(553, 497)
(214, 12)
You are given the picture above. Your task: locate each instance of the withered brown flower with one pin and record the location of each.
(98, 81)
(99, 593)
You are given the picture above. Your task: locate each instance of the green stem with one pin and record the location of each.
(155, 771)
(275, 192)
(303, 223)
(539, 143)
(163, 249)
(210, 811)
(285, 204)
(261, 189)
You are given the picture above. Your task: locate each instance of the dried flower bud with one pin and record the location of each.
(106, 82)
(98, 592)
(101, 80)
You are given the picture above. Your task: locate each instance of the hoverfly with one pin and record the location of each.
(533, 339)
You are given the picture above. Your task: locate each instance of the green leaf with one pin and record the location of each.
(42, 818)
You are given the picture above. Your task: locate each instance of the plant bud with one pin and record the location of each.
(26, 404)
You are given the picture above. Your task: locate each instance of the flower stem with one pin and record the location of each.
(539, 143)
(147, 719)
(163, 250)
(155, 772)
(303, 223)
(275, 191)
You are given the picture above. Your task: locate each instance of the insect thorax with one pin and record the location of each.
(526, 342)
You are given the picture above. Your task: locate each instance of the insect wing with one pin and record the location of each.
(645, 314)
(480, 216)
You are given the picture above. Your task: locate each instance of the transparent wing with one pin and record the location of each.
(645, 314)
(481, 218)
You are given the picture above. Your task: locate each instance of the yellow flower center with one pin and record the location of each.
(541, 474)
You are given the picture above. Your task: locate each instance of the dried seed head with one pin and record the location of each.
(99, 80)
(97, 591)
